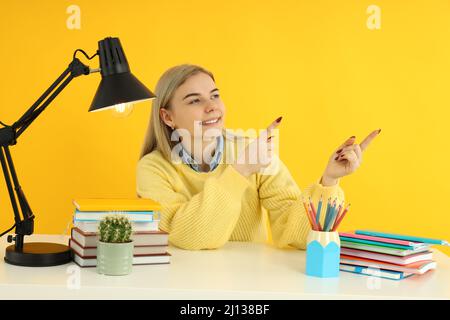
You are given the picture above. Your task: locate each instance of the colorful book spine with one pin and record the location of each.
(375, 272)
(111, 204)
(382, 244)
(380, 239)
(380, 249)
(418, 268)
(428, 255)
(402, 237)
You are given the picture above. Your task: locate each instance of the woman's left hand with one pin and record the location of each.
(346, 159)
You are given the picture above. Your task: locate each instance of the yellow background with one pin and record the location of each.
(314, 62)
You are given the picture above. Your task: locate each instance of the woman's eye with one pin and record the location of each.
(195, 100)
(216, 95)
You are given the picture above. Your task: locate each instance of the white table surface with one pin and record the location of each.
(239, 270)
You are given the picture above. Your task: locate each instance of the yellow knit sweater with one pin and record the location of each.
(204, 210)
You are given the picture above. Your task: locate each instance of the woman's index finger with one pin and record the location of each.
(273, 125)
(267, 133)
(365, 143)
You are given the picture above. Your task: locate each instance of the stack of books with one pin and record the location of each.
(150, 243)
(385, 255)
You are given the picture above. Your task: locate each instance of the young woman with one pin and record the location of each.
(209, 190)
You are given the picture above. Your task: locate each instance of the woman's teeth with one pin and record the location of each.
(211, 121)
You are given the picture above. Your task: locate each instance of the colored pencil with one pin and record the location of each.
(312, 207)
(309, 216)
(313, 217)
(318, 225)
(319, 207)
(332, 215)
(336, 216)
(325, 221)
(333, 218)
(341, 217)
(341, 206)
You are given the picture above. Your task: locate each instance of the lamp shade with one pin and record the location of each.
(118, 84)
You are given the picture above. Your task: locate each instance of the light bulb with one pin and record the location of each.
(122, 110)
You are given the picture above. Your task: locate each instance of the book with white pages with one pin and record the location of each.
(137, 260)
(89, 252)
(140, 238)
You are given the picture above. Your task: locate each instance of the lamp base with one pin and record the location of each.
(38, 254)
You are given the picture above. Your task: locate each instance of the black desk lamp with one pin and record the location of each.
(117, 86)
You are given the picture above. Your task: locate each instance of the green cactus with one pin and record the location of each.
(115, 229)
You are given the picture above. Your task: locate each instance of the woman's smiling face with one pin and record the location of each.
(196, 107)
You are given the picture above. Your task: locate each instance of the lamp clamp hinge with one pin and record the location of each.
(7, 136)
(77, 68)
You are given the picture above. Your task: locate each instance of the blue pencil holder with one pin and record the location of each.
(323, 251)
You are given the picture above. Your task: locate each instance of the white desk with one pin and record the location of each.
(239, 270)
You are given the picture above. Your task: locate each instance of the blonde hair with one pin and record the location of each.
(158, 134)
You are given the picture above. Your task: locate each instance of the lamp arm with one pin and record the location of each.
(8, 136)
(75, 69)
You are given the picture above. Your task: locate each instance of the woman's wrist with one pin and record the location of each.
(327, 181)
